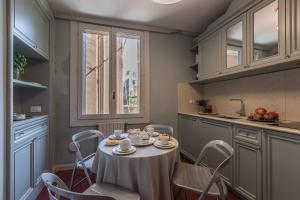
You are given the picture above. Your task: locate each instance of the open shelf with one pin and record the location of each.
(194, 48)
(194, 66)
(26, 84)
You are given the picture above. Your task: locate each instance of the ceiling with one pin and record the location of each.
(187, 15)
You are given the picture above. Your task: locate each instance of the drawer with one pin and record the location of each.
(248, 134)
(30, 127)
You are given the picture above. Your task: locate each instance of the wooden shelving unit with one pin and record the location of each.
(25, 84)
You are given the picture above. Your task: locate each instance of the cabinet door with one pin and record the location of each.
(294, 34)
(210, 57)
(234, 45)
(267, 33)
(282, 166)
(40, 163)
(23, 171)
(32, 25)
(189, 136)
(212, 130)
(248, 170)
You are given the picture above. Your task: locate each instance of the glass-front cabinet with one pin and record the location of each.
(293, 7)
(234, 44)
(267, 36)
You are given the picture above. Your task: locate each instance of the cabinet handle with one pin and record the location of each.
(19, 135)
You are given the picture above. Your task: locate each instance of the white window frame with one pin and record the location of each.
(76, 116)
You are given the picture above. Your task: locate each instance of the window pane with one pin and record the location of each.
(128, 73)
(233, 56)
(266, 32)
(95, 62)
(234, 45)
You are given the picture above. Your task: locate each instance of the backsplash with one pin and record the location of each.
(279, 91)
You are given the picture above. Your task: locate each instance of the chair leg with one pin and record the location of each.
(222, 193)
(73, 175)
(185, 196)
(87, 175)
(177, 194)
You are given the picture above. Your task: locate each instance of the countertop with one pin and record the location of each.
(244, 121)
(29, 120)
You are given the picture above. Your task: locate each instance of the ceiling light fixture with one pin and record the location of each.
(166, 1)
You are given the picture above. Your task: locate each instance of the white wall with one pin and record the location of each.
(169, 61)
(2, 94)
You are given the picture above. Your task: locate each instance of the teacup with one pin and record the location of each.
(118, 133)
(164, 139)
(125, 144)
(144, 135)
(150, 130)
(135, 138)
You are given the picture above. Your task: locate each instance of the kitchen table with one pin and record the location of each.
(148, 171)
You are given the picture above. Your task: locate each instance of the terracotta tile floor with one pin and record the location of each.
(65, 176)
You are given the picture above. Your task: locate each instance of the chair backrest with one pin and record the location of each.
(227, 152)
(81, 137)
(57, 189)
(160, 128)
(219, 146)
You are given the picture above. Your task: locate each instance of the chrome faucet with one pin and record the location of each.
(241, 112)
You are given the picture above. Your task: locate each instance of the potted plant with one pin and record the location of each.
(20, 62)
(202, 103)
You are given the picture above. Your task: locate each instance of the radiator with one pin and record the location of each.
(108, 128)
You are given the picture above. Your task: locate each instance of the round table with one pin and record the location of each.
(147, 171)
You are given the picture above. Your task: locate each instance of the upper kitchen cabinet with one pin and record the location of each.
(234, 45)
(209, 54)
(293, 8)
(267, 35)
(32, 25)
(262, 38)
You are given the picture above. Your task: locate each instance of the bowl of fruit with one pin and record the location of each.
(262, 115)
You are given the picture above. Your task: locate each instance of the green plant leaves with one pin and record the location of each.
(20, 62)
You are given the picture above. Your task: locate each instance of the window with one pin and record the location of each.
(109, 74)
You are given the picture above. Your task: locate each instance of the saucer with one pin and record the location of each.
(154, 134)
(170, 145)
(142, 143)
(121, 137)
(118, 151)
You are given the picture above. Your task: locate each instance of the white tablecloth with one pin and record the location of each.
(147, 171)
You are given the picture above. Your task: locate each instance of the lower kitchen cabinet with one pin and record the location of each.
(30, 157)
(282, 166)
(248, 170)
(189, 136)
(195, 133)
(265, 165)
(216, 130)
(23, 171)
(40, 144)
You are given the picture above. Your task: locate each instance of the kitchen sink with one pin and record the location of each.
(228, 117)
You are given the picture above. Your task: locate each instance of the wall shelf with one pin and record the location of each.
(194, 66)
(194, 48)
(26, 84)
